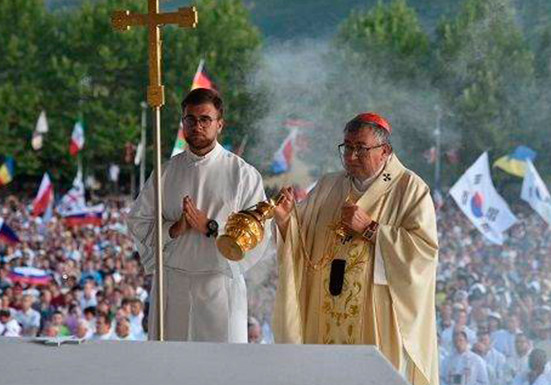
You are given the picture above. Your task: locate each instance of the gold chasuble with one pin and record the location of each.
(388, 289)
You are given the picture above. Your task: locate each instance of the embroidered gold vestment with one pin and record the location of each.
(396, 313)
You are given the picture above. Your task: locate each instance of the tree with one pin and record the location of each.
(384, 65)
(388, 38)
(73, 64)
(485, 70)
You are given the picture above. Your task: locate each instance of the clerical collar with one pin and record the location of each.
(362, 186)
(211, 154)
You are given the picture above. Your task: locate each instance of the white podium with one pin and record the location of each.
(187, 363)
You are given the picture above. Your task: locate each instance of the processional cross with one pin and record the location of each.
(122, 21)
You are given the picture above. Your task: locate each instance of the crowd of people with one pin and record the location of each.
(96, 290)
(493, 302)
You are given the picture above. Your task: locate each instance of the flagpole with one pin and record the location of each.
(143, 141)
(158, 220)
(79, 165)
(438, 140)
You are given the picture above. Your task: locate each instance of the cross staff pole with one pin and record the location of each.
(122, 21)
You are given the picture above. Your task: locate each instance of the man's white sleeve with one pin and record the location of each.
(141, 225)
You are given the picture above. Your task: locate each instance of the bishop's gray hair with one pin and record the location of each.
(356, 125)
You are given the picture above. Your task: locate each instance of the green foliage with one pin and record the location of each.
(389, 54)
(72, 64)
(388, 38)
(483, 62)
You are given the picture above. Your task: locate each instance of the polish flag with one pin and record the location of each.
(77, 138)
(45, 196)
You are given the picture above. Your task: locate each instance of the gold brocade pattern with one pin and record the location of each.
(342, 314)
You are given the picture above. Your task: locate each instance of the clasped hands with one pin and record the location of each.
(354, 219)
(191, 218)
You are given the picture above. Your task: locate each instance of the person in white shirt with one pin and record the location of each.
(9, 327)
(28, 318)
(103, 328)
(495, 360)
(518, 362)
(205, 294)
(136, 318)
(122, 330)
(89, 295)
(504, 340)
(83, 330)
(460, 324)
(536, 374)
(463, 367)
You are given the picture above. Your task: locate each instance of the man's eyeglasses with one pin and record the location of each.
(203, 120)
(360, 151)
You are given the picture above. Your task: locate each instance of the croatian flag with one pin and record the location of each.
(7, 235)
(74, 199)
(535, 193)
(77, 138)
(30, 276)
(284, 155)
(477, 197)
(85, 216)
(45, 196)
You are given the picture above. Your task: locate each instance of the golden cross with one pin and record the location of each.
(122, 21)
(184, 17)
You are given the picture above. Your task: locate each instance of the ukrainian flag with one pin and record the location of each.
(6, 171)
(515, 163)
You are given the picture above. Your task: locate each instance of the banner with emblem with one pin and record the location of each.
(477, 197)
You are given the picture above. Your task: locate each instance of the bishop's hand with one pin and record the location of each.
(196, 218)
(354, 218)
(282, 212)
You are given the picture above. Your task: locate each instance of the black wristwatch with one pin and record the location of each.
(212, 229)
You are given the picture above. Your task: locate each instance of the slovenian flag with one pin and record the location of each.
(7, 235)
(284, 155)
(77, 138)
(30, 276)
(6, 171)
(44, 197)
(201, 78)
(84, 216)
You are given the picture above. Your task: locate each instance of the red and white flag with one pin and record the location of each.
(45, 196)
(77, 138)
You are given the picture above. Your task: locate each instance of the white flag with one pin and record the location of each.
(42, 123)
(139, 154)
(477, 197)
(37, 141)
(114, 171)
(74, 199)
(535, 193)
